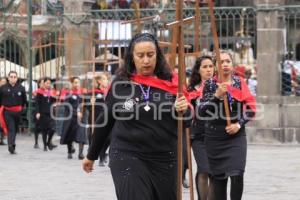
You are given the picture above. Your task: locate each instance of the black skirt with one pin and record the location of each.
(45, 123)
(72, 131)
(146, 176)
(226, 153)
(200, 154)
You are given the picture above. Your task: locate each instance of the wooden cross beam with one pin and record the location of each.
(93, 90)
(93, 61)
(177, 25)
(87, 39)
(104, 61)
(57, 55)
(105, 52)
(96, 41)
(178, 40)
(197, 26)
(93, 41)
(137, 15)
(138, 21)
(41, 57)
(163, 44)
(69, 42)
(217, 50)
(180, 23)
(42, 46)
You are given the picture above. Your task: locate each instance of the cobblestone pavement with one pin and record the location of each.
(273, 172)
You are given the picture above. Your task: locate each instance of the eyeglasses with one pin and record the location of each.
(12, 76)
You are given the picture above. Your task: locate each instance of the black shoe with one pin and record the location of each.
(101, 163)
(73, 150)
(36, 146)
(70, 156)
(45, 148)
(51, 146)
(80, 156)
(106, 158)
(12, 149)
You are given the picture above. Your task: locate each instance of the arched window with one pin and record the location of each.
(11, 51)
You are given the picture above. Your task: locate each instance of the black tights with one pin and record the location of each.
(36, 137)
(48, 133)
(219, 188)
(72, 150)
(70, 147)
(202, 185)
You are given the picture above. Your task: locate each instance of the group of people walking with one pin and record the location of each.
(76, 118)
(137, 117)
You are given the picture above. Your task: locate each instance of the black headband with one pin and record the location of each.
(143, 37)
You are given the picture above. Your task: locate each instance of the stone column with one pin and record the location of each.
(270, 46)
(76, 35)
(270, 49)
(278, 119)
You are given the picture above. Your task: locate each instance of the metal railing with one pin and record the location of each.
(236, 28)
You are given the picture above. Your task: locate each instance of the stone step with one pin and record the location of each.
(287, 136)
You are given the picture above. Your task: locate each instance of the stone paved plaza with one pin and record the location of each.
(273, 172)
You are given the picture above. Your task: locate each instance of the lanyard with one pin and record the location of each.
(146, 97)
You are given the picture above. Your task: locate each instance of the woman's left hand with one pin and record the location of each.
(87, 165)
(233, 128)
(181, 104)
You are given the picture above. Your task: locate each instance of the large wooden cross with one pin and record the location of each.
(176, 26)
(92, 41)
(178, 41)
(42, 56)
(104, 61)
(93, 62)
(196, 53)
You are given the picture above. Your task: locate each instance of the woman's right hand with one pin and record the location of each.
(221, 90)
(87, 165)
(37, 116)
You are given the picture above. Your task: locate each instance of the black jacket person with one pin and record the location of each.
(45, 99)
(12, 101)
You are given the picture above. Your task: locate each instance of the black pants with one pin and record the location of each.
(12, 120)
